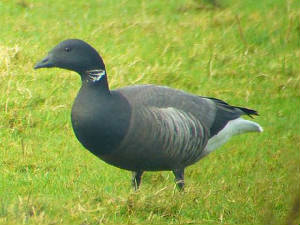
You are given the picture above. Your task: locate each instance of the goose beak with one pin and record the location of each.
(44, 63)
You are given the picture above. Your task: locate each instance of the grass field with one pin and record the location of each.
(244, 52)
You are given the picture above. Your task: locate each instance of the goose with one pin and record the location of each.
(144, 127)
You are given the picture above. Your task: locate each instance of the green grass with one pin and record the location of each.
(244, 52)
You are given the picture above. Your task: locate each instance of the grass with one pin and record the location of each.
(244, 52)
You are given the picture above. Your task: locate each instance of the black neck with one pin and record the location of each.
(95, 79)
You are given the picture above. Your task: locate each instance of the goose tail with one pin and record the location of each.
(232, 128)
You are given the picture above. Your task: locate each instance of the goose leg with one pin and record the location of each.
(136, 179)
(179, 178)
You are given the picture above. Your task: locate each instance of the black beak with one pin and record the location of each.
(44, 63)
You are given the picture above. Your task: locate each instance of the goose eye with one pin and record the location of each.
(67, 49)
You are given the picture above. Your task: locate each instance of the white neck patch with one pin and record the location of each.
(95, 75)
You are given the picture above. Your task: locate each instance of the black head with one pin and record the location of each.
(75, 55)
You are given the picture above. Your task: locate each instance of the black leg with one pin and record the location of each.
(179, 178)
(136, 179)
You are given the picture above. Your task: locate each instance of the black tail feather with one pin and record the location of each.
(226, 112)
(249, 112)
